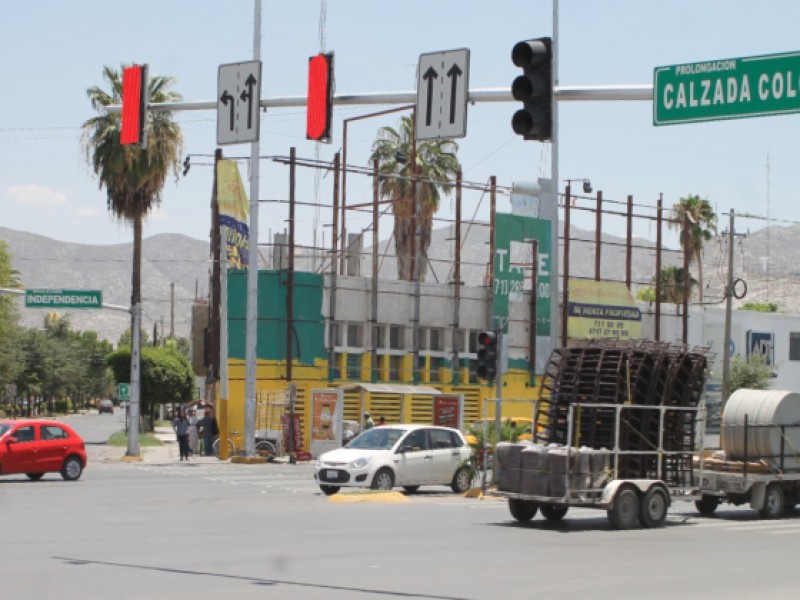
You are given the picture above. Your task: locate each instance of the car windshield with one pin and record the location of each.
(377, 438)
(3, 429)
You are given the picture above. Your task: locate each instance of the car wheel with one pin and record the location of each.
(625, 512)
(553, 513)
(34, 476)
(653, 510)
(462, 481)
(72, 468)
(707, 504)
(773, 502)
(329, 490)
(383, 480)
(522, 510)
(411, 489)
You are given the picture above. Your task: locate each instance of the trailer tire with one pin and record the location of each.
(522, 510)
(653, 510)
(552, 512)
(707, 504)
(624, 514)
(773, 502)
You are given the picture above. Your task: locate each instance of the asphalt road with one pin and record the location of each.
(212, 530)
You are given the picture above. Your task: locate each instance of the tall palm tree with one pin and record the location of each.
(672, 281)
(697, 222)
(435, 164)
(133, 177)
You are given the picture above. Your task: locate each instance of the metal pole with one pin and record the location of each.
(222, 403)
(686, 289)
(554, 264)
(659, 222)
(533, 322)
(290, 274)
(373, 371)
(726, 342)
(332, 325)
(629, 243)
(598, 236)
(456, 375)
(565, 282)
(252, 275)
(135, 391)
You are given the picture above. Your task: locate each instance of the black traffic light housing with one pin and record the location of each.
(487, 355)
(534, 88)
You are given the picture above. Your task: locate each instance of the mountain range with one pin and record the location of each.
(767, 260)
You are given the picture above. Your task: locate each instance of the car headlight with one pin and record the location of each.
(359, 463)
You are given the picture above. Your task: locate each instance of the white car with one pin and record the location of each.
(398, 455)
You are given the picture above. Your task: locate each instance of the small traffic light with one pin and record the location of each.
(134, 106)
(534, 88)
(487, 355)
(187, 164)
(320, 98)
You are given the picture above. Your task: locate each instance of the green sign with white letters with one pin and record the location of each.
(731, 88)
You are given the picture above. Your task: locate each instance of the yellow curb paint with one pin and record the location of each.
(248, 460)
(383, 497)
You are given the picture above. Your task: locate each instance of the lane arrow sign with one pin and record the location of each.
(247, 96)
(453, 74)
(430, 76)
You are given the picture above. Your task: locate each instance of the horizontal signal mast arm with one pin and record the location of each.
(567, 93)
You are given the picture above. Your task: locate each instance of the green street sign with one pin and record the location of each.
(63, 299)
(124, 391)
(731, 88)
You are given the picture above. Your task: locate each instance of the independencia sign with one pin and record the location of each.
(63, 299)
(731, 88)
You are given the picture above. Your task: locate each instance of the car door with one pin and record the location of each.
(414, 460)
(446, 455)
(53, 447)
(21, 454)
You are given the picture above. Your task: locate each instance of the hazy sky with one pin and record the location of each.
(54, 50)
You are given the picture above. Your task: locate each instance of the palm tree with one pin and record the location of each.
(697, 222)
(435, 163)
(133, 177)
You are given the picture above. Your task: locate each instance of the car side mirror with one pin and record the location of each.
(406, 448)
(11, 440)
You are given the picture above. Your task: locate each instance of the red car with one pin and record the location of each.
(36, 447)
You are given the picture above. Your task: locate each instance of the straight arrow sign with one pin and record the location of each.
(442, 90)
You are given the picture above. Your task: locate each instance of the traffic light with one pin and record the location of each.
(319, 109)
(134, 106)
(534, 88)
(487, 355)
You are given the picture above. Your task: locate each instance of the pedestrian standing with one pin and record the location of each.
(192, 431)
(209, 430)
(181, 427)
(368, 422)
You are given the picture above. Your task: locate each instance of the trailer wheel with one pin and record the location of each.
(624, 514)
(707, 504)
(553, 513)
(522, 510)
(773, 502)
(653, 511)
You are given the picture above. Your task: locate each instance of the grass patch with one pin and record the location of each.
(145, 439)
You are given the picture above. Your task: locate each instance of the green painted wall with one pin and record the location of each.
(309, 324)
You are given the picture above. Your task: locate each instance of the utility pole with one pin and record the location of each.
(726, 341)
(171, 310)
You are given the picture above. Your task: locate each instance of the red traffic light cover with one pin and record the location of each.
(133, 82)
(318, 115)
(487, 338)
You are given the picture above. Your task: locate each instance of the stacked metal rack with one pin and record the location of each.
(593, 374)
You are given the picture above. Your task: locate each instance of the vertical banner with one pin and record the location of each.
(448, 411)
(234, 213)
(326, 420)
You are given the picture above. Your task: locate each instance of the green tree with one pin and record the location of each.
(133, 177)
(671, 286)
(753, 373)
(166, 376)
(435, 164)
(697, 223)
(9, 320)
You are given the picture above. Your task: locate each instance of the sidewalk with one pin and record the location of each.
(166, 454)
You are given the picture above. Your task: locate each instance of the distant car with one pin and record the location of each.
(105, 406)
(398, 455)
(36, 447)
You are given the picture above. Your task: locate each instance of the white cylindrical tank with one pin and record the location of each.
(766, 411)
